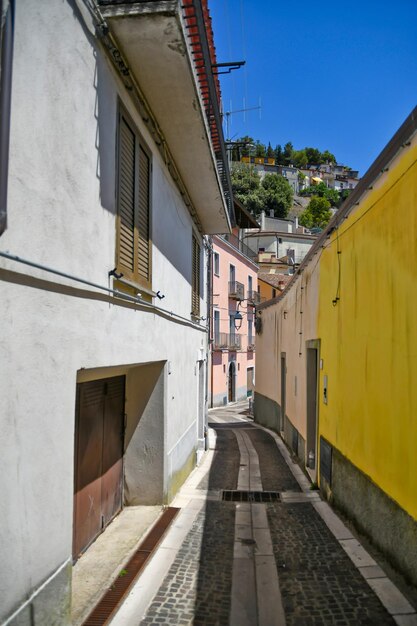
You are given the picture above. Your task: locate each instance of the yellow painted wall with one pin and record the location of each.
(369, 339)
(266, 290)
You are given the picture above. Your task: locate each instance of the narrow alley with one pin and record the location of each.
(283, 557)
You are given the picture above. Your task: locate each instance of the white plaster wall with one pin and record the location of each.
(62, 214)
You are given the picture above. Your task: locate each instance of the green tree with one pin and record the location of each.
(278, 155)
(287, 154)
(278, 195)
(269, 151)
(247, 145)
(328, 156)
(322, 191)
(313, 156)
(246, 185)
(317, 213)
(260, 149)
(299, 158)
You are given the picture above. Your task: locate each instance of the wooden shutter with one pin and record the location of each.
(143, 216)
(195, 303)
(127, 184)
(133, 238)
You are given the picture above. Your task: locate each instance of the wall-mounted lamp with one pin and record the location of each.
(238, 319)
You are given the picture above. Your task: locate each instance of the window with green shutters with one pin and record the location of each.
(133, 220)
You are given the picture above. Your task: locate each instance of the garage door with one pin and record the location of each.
(98, 476)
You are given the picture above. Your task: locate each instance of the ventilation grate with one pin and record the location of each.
(250, 496)
(113, 597)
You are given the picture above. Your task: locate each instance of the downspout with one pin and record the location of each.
(7, 13)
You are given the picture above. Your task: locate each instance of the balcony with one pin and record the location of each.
(164, 52)
(224, 341)
(235, 342)
(254, 298)
(251, 344)
(242, 247)
(236, 290)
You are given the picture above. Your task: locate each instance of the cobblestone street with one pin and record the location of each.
(248, 563)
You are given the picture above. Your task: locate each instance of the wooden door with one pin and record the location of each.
(98, 472)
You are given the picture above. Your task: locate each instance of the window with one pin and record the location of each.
(133, 253)
(249, 286)
(274, 293)
(216, 326)
(195, 298)
(232, 273)
(216, 263)
(7, 9)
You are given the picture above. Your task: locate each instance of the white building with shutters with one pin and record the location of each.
(114, 173)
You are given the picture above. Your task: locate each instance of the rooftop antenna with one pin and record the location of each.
(227, 115)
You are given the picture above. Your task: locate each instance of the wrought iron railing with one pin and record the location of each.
(254, 297)
(242, 247)
(226, 341)
(236, 290)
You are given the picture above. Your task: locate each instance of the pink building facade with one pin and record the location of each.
(234, 296)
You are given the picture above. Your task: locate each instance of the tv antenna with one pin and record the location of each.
(227, 115)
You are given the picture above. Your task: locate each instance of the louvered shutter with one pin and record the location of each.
(143, 216)
(133, 238)
(195, 302)
(127, 159)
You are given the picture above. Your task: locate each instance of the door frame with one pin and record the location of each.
(312, 404)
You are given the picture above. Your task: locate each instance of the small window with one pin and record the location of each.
(195, 298)
(216, 325)
(249, 286)
(216, 263)
(133, 225)
(274, 293)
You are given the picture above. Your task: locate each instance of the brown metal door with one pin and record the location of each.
(98, 458)
(112, 466)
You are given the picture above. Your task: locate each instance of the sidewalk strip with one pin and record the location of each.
(111, 600)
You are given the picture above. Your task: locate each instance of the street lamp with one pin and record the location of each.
(238, 320)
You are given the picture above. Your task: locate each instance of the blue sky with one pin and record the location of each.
(337, 76)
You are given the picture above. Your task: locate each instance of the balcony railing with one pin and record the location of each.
(254, 297)
(235, 342)
(242, 247)
(226, 341)
(251, 344)
(236, 290)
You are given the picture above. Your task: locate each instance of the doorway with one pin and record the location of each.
(312, 409)
(283, 391)
(98, 471)
(232, 382)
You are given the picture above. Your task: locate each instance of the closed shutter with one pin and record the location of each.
(127, 197)
(143, 216)
(195, 303)
(133, 236)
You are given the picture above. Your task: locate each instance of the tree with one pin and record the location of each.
(246, 186)
(287, 154)
(274, 193)
(260, 149)
(299, 158)
(278, 155)
(246, 145)
(328, 156)
(317, 213)
(269, 151)
(278, 195)
(313, 156)
(322, 191)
